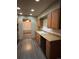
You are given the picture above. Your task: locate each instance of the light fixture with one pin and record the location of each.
(18, 8)
(37, 0)
(20, 13)
(27, 20)
(32, 10)
(30, 14)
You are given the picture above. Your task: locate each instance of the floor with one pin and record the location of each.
(28, 49)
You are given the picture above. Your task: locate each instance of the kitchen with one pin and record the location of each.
(45, 26)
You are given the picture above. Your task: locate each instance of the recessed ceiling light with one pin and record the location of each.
(30, 14)
(37, 0)
(32, 10)
(20, 13)
(18, 8)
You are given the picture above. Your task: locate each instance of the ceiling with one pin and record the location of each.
(39, 7)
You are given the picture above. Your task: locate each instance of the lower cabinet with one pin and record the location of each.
(43, 44)
(53, 49)
(37, 38)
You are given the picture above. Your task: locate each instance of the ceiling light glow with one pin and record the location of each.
(27, 21)
(18, 8)
(37, 0)
(30, 14)
(32, 10)
(20, 13)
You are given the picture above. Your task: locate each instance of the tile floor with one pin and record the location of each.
(28, 49)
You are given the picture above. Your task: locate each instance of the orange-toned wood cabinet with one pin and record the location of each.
(37, 38)
(39, 23)
(54, 19)
(49, 21)
(53, 49)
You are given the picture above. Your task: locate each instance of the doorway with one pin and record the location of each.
(27, 28)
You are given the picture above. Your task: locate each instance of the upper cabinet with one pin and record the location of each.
(39, 23)
(49, 19)
(54, 19)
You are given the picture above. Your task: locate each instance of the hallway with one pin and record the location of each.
(39, 29)
(28, 49)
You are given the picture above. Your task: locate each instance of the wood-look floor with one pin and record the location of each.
(28, 49)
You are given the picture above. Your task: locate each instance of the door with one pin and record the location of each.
(27, 26)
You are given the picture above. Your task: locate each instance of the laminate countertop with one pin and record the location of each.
(48, 36)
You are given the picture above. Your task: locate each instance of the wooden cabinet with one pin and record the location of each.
(54, 19)
(53, 49)
(39, 23)
(43, 45)
(37, 38)
(49, 19)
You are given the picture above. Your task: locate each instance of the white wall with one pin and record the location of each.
(33, 20)
(20, 25)
(45, 22)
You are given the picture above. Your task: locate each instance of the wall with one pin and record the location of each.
(20, 25)
(20, 22)
(27, 26)
(45, 22)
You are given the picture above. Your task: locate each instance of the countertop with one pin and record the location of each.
(48, 36)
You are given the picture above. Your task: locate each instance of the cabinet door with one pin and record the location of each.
(53, 49)
(55, 19)
(39, 23)
(49, 18)
(48, 49)
(37, 38)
